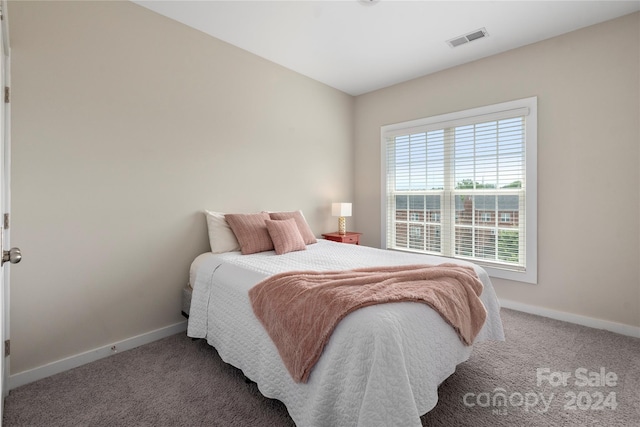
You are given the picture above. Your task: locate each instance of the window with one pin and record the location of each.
(505, 217)
(463, 185)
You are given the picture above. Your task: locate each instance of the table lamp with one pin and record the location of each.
(341, 210)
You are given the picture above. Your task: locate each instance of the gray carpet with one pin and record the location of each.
(180, 382)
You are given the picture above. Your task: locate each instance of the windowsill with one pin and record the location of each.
(517, 276)
(529, 276)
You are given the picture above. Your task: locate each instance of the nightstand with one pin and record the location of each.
(350, 237)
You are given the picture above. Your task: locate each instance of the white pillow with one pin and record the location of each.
(221, 237)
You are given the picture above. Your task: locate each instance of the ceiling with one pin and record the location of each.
(358, 46)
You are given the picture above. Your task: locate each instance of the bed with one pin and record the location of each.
(382, 365)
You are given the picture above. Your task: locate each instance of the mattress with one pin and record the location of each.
(383, 363)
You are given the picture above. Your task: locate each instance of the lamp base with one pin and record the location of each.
(342, 225)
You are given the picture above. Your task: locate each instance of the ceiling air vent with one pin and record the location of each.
(474, 35)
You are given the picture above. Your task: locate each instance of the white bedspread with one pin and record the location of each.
(383, 363)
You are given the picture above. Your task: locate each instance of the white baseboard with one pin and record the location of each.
(35, 374)
(31, 375)
(619, 328)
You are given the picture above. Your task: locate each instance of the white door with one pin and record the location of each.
(12, 255)
(3, 204)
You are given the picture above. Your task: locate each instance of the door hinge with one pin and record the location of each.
(5, 223)
(7, 94)
(7, 348)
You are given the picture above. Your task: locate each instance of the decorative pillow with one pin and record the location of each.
(285, 235)
(303, 227)
(251, 232)
(221, 238)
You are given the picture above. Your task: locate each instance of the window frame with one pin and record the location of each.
(479, 115)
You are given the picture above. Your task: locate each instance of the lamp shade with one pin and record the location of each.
(341, 209)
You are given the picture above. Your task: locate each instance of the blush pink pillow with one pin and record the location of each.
(303, 227)
(251, 232)
(285, 236)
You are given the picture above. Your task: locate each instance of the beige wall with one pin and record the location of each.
(125, 126)
(588, 88)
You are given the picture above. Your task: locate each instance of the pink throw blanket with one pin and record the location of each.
(301, 309)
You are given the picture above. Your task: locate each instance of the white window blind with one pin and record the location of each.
(462, 185)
